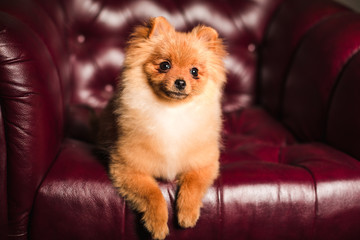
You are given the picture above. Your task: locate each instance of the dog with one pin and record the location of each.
(164, 121)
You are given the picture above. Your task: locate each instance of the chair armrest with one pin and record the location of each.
(31, 119)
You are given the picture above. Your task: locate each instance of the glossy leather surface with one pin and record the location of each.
(289, 167)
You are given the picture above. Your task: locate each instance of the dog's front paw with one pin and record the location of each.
(188, 216)
(158, 230)
(155, 221)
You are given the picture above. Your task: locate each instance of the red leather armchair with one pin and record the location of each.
(290, 168)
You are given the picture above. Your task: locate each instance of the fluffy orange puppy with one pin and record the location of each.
(165, 120)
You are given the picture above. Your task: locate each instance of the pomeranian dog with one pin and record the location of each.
(164, 121)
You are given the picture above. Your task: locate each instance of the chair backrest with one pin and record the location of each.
(96, 34)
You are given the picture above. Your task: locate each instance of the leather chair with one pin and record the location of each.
(290, 167)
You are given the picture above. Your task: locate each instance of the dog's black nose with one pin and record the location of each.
(180, 84)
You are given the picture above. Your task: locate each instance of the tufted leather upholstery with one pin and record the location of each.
(290, 166)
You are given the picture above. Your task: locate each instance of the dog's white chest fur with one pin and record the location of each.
(175, 130)
(172, 129)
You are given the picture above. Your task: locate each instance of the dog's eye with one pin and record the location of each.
(194, 72)
(164, 66)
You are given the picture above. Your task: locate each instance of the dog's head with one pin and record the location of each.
(178, 65)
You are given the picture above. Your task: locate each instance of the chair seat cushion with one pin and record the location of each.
(310, 190)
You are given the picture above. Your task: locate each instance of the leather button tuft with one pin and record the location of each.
(81, 38)
(252, 47)
(109, 88)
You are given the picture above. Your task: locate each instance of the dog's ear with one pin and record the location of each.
(211, 38)
(206, 34)
(153, 27)
(158, 26)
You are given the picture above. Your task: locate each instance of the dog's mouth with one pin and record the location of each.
(175, 95)
(179, 95)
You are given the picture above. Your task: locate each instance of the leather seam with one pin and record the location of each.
(335, 87)
(37, 190)
(316, 204)
(294, 54)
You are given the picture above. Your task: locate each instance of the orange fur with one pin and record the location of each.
(158, 130)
